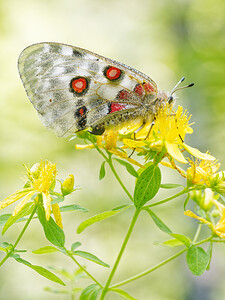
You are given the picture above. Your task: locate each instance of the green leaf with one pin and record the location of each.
(3, 249)
(53, 232)
(99, 217)
(102, 171)
(45, 250)
(57, 198)
(197, 260)
(182, 238)
(162, 226)
(91, 257)
(72, 207)
(42, 271)
(88, 291)
(186, 201)
(94, 294)
(123, 294)
(171, 243)
(4, 218)
(26, 210)
(128, 166)
(75, 246)
(147, 185)
(209, 252)
(170, 186)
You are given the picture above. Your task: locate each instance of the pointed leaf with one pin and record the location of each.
(99, 217)
(72, 207)
(209, 252)
(170, 185)
(91, 257)
(162, 226)
(171, 243)
(123, 294)
(4, 218)
(87, 291)
(128, 166)
(147, 185)
(52, 231)
(197, 260)
(46, 250)
(182, 238)
(75, 246)
(102, 171)
(26, 210)
(94, 294)
(3, 249)
(42, 271)
(57, 198)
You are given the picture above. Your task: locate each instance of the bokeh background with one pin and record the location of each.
(164, 39)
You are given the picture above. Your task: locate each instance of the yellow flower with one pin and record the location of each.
(40, 180)
(219, 227)
(169, 131)
(202, 171)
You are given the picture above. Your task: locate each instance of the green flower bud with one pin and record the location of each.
(67, 186)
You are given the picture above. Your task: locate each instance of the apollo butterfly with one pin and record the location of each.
(73, 89)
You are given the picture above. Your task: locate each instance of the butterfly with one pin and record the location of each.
(73, 89)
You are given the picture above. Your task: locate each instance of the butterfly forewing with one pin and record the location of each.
(72, 88)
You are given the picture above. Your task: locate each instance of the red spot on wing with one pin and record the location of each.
(113, 73)
(148, 87)
(116, 107)
(124, 95)
(79, 84)
(139, 89)
(81, 111)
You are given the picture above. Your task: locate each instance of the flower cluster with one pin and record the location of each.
(166, 140)
(40, 181)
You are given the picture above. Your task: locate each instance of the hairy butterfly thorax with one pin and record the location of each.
(73, 89)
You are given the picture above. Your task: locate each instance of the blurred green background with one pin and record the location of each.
(164, 39)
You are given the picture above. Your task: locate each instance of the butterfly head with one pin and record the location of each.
(171, 96)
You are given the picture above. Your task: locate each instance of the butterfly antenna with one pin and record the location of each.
(176, 88)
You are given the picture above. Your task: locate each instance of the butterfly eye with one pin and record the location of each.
(170, 99)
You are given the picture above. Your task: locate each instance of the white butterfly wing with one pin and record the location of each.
(72, 88)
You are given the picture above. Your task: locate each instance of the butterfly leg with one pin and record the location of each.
(136, 131)
(152, 124)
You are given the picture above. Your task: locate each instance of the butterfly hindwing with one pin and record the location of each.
(72, 88)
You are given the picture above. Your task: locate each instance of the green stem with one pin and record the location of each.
(149, 270)
(184, 191)
(105, 290)
(118, 179)
(82, 268)
(197, 233)
(19, 237)
(109, 161)
(158, 265)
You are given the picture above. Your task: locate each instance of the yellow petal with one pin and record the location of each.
(192, 215)
(47, 204)
(175, 152)
(20, 206)
(11, 199)
(124, 156)
(133, 144)
(195, 152)
(81, 147)
(57, 215)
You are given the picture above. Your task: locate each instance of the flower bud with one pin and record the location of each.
(35, 170)
(67, 186)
